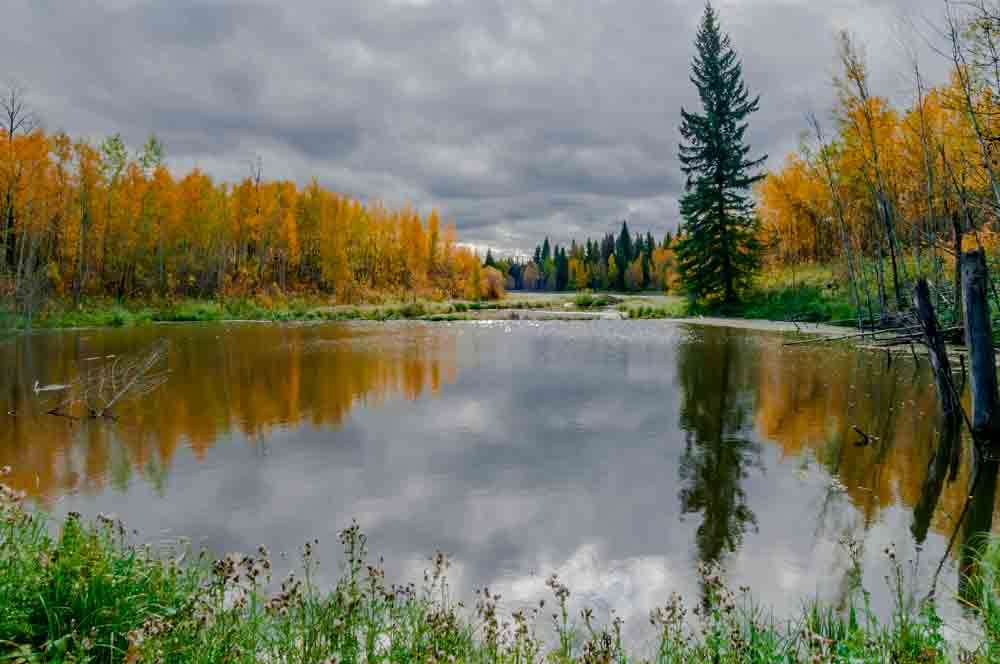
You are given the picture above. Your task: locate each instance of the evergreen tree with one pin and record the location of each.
(607, 248)
(564, 270)
(515, 274)
(546, 250)
(489, 262)
(719, 252)
(647, 260)
(623, 254)
(624, 247)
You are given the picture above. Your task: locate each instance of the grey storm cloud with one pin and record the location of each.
(516, 118)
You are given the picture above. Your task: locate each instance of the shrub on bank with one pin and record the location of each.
(591, 300)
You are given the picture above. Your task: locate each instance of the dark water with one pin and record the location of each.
(618, 454)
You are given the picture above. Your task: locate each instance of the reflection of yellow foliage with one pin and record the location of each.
(808, 403)
(218, 390)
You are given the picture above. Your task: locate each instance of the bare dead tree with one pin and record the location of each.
(18, 119)
(838, 206)
(99, 389)
(927, 152)
(960, 191)
(954, 31)
(30, 291)
(855, 86)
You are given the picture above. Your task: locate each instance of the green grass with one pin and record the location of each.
(102, 314)
(811, 293)
(806, 303)
(594, 300)
(81, 592)
(109, 313)
(806, 293)
(645, 312)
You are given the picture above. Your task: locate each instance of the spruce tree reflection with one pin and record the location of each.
(716, 414)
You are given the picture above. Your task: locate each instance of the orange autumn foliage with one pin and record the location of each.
(93, 221)
(824, 199)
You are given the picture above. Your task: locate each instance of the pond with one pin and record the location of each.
(618, 454)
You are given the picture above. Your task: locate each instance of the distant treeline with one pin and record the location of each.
(625, 262)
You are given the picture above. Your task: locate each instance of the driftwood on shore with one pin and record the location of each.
(890, 336)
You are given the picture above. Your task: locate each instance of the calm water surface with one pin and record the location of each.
(618, 454)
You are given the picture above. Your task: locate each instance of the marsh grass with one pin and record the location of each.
(678, 310)
(83, 593)
(596, 300)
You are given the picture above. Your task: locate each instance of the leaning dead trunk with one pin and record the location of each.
(947, 395)
(956, 230)
(979, 339)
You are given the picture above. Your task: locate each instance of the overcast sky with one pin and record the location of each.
(516, 118)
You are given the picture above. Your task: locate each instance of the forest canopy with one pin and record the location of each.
(78, 219)
(898, 190)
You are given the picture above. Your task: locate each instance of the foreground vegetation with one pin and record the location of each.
(85, 594)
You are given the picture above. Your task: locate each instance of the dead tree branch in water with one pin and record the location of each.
(99, 389)
(866, 438)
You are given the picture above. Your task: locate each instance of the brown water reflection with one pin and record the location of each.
(222, 380)
(616, 453)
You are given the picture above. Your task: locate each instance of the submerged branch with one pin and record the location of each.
(99, 389)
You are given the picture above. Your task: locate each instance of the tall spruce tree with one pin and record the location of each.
(719, 251)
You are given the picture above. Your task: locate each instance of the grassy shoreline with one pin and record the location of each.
(103, 313)
(809, 294)
(78, 591)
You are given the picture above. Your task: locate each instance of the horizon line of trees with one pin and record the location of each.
(624, 262)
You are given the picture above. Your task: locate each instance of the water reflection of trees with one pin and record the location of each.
(737, 390)
(978, 521)
(943, 467)
(809, 401)
(256, 380)
(716, 382)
